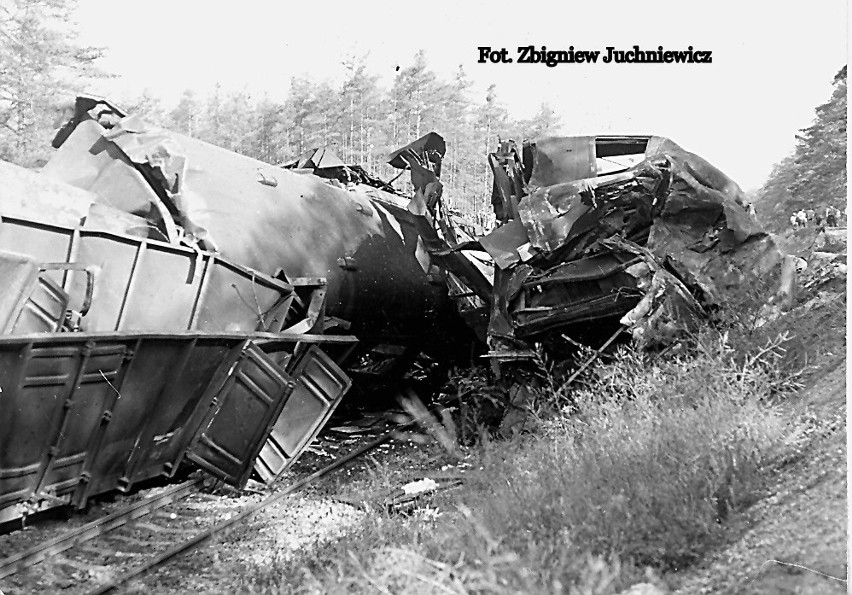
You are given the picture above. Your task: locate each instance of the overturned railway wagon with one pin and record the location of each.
(167, 300)
(381, 284)
(121, 355)
(86, 413)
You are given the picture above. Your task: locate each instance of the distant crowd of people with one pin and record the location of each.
(829, 217)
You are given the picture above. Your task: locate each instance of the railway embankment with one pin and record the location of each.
(718, 468)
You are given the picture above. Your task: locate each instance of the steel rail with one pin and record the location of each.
(227, 524)
(36, 554)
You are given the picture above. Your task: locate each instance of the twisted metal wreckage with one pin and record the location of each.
(166, 299)
(631, 229)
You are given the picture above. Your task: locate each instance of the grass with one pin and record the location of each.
(650, 462)
(640, 472)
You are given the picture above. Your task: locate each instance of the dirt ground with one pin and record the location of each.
(295, 525)
(299, 523)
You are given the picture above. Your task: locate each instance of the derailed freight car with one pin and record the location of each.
(381, 283)
(122, 355)
(86, 413)
(171, 300)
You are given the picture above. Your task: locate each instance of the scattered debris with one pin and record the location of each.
(408, 498)
(419, 486)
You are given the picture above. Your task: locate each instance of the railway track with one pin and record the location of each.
(77, 559)
(104, 554)
(96, 528)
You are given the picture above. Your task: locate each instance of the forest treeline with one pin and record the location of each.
(42, 67)
(814, 175)
(362, 122)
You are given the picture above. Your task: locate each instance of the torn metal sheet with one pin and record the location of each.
(430, 147)
(594, 267)
(444, 235)
(683, 217)
(31, 302)
(667, 308)
(560, 159)
(554, 215)
(314, 159)
(86, 160)
(324, 163)
(504, 242)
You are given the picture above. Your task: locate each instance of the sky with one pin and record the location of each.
(772, 62)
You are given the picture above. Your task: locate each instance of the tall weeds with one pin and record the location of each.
(641, 469)
(649, 461)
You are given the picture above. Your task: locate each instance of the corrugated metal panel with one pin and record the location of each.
(145, 285)
(31, 302)
(319, 386)
(247, 397)
(82, 413)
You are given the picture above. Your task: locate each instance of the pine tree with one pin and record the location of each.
(41, 67)
(414, 93)
(492, 125)
(268, 141)
(545, 122)
(299, 109)
(458, 131)
(821, 150)
(211, 127)
(359, 100)
(814, 176)
(184, 118)
(238, 123)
